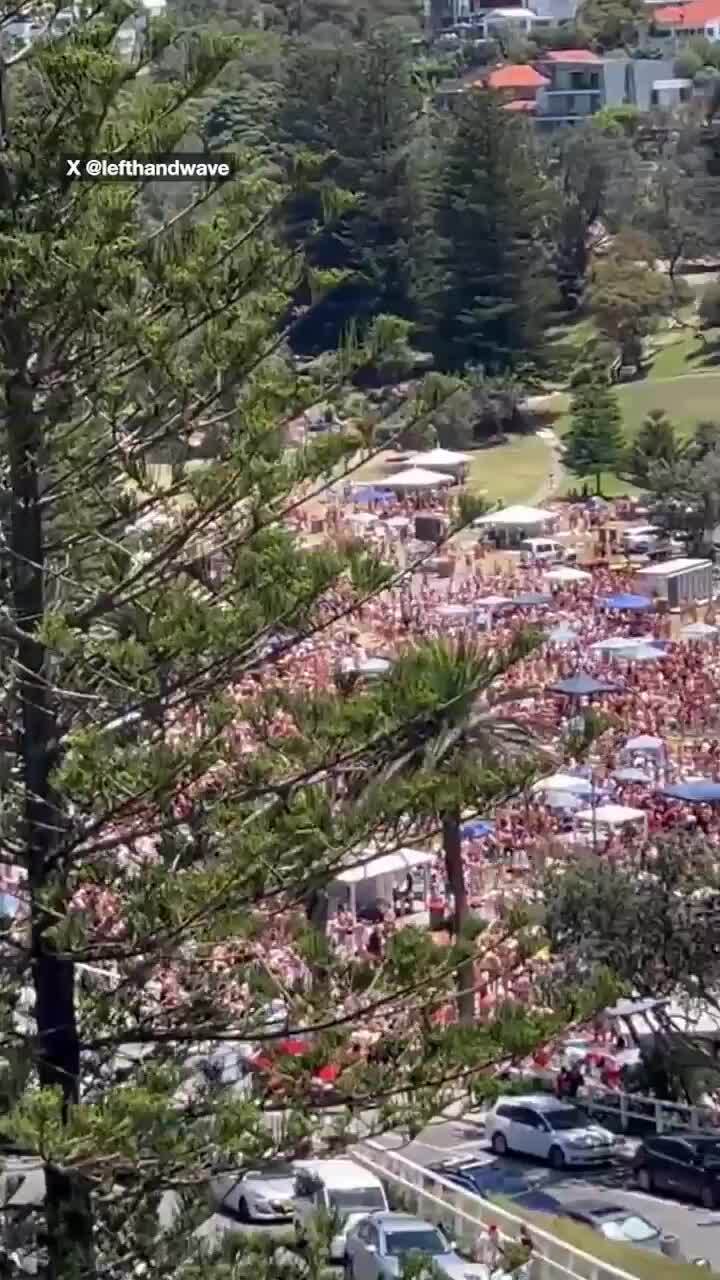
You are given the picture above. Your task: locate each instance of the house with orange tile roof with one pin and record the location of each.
(683, 21)
(518, 84)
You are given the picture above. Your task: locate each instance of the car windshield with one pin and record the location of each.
(631, 1229)
(422, 1240)
(356, 1198)
(565, 1118)
(497, 1181)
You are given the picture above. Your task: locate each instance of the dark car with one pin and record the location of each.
(493, 1180)
(616, 1223)
(686, 1164)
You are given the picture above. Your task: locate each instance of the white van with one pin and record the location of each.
(545, 551)
(339, 1187)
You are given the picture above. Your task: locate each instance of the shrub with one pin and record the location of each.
(709, 308)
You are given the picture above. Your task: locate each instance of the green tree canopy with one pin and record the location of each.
(493, 209)
(594, 442)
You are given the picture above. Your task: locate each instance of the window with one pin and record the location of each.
(654, 98)
(421, 1240)
(529, 1118)
(566, 1118)
(305, 1186)
(507, 1113)
(630, 1230)
(356, 1198)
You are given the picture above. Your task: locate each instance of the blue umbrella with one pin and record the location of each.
(476, 829)
(582, 686)
(371, 494)
(704, 791)
(635, 603)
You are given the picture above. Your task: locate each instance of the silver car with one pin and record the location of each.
(257, 1195)
(379, 1245)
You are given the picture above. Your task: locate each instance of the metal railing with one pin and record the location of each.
(467, 1217)
(634, 1110)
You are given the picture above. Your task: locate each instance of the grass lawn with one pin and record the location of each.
(512, 472)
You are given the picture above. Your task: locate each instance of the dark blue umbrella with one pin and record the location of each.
(636, 603)
(531, 599)
(582, 686)
(704, 791)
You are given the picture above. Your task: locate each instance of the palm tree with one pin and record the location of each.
(459, 751)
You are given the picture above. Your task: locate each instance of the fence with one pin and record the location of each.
(634, 1112)
(466, 1217)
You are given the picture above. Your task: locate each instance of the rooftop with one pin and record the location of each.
(678, 565)
(695, 14)
(581, 56)
(515, 76)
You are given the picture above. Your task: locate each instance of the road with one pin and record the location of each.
(697, 1229)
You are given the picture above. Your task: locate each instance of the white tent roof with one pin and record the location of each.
(417, 478)
(612, 815)
(697, 630)
(564, 782)
(566, 573)
(439, 458)
(386, 864)
(522, 517)
(621, 642)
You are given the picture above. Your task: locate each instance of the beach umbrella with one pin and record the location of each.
(701, 791)
(532, 599)
(613, 643)
(635, 604)
(564, 782)
(562, 635)
(641, 653)
(564, 800)
(698, 631)
(476, 829)
(582, 686)
(645, 742)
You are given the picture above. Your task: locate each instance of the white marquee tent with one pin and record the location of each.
(380, 874)
(517, 517)
(418, 478)
(443, 458)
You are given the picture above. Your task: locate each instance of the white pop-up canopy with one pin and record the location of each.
(440, 458)
(418, 478)
(564, 782)
(612, 815)
(384, 870)
(566, 573)
(516, 517)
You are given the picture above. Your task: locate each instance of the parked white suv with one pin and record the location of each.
(540, 1125)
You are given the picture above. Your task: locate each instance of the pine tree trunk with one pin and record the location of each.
(67, 1204)
(455, 870)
